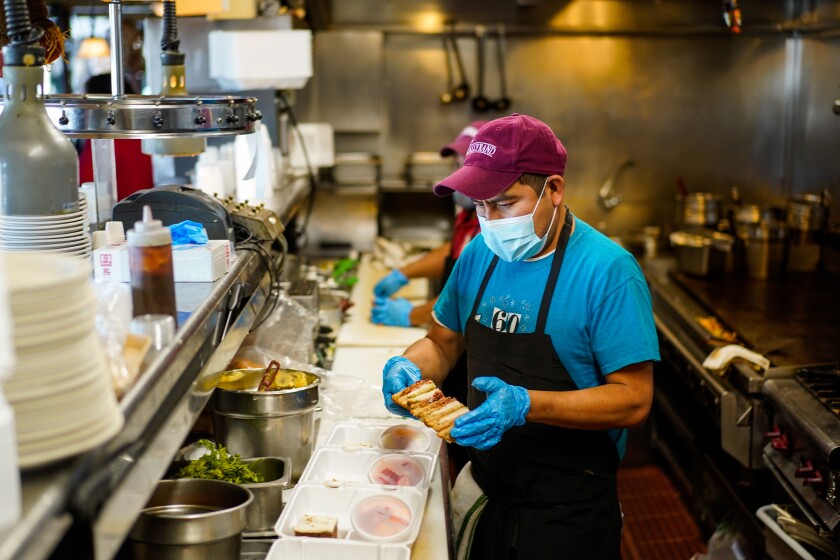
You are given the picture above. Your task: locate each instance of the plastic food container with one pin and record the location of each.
(338, 466)
(397, 469)
(382, 518)
(404, 437)
(299, 548)
(369, 435)
(345, 502)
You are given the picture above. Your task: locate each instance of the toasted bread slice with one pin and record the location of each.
(433, 415)
(447, 420)
(433, 397)
(428, 404)
(422, 386)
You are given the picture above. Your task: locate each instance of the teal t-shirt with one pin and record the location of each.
(600, 318)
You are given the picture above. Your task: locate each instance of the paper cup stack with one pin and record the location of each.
(60, 389)
(65, 233)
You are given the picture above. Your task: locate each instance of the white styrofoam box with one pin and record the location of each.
(190, 263)
(318, 499)
(366, 435)
(319, 141)
(261, 59)
(299, 548)
(340, 465)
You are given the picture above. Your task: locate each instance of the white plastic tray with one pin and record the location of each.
(317, 499)
(340, 465)
(366, 435)
(298, 548)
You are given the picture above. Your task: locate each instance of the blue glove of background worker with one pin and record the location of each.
(398, 374)
(393, 312)
(390, 284)
(506, 406)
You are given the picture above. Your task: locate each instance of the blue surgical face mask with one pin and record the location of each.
(515, 239)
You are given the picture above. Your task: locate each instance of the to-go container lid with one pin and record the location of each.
(149, 232)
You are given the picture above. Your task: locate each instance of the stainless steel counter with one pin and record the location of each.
(91, 500)
(96, 496)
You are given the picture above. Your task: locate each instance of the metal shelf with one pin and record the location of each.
(148, 116)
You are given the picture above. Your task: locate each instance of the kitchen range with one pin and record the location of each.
(745, 435)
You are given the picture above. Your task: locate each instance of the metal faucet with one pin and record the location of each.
(606, 196)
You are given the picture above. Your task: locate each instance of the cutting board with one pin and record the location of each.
(357, 330)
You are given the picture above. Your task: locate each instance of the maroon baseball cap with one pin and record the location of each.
(501, 152)
(462, 141)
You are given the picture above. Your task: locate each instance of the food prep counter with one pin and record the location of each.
(362, 348)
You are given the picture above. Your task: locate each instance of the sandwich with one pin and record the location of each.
(320, 526)
(428, 404)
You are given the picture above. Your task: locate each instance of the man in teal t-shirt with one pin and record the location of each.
(557, 323)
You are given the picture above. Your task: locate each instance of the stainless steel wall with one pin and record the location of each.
(661, 83)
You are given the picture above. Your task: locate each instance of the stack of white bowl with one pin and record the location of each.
(60, 389)
(10, 489)
(65, 233)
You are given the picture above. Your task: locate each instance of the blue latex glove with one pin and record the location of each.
(392, 312)
(506, 406)
(398, 374)
(390, 284)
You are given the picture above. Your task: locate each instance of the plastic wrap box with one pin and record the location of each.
(190, 263)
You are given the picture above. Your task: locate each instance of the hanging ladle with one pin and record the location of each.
(480, 103)
(502, 103)
(448, 95)
(462, 89)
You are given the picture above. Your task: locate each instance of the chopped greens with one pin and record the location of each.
(219, 465)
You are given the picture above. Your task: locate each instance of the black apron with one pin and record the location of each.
(551, 491)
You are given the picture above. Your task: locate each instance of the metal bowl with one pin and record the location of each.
(191, 518)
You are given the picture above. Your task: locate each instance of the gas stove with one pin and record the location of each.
(824, 383)
(803, 447)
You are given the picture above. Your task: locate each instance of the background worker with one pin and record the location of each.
(437, 263)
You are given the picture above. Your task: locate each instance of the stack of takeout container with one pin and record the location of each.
(373, 480)
(60, 389)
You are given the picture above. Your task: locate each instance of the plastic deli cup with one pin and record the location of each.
(405, 438)
(382, 518)
(397, 470)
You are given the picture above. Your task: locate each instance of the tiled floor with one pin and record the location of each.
(657, 526)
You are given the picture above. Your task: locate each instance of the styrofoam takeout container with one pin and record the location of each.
(348, 435)
(318, 499)
(335, 466)
(299, 548)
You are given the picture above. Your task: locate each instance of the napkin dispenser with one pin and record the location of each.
(172, 204)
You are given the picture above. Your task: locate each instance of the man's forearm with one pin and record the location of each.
(433, 362)
(612, 405)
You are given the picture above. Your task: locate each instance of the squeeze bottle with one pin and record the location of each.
(150, 264)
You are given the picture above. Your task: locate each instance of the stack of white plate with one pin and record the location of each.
(65, 233)
(60, 390)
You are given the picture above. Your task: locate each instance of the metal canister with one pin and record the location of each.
(273, 423)
(191, 519)
(807, 219)
(699, 209)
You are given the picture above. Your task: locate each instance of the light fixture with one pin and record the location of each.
(94, 47)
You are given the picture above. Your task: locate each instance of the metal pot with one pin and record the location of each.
(267, 424)
(262, 513)
(191, 519)
(762, 249)
(807, 219)
(702, 252)
(699, 209)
